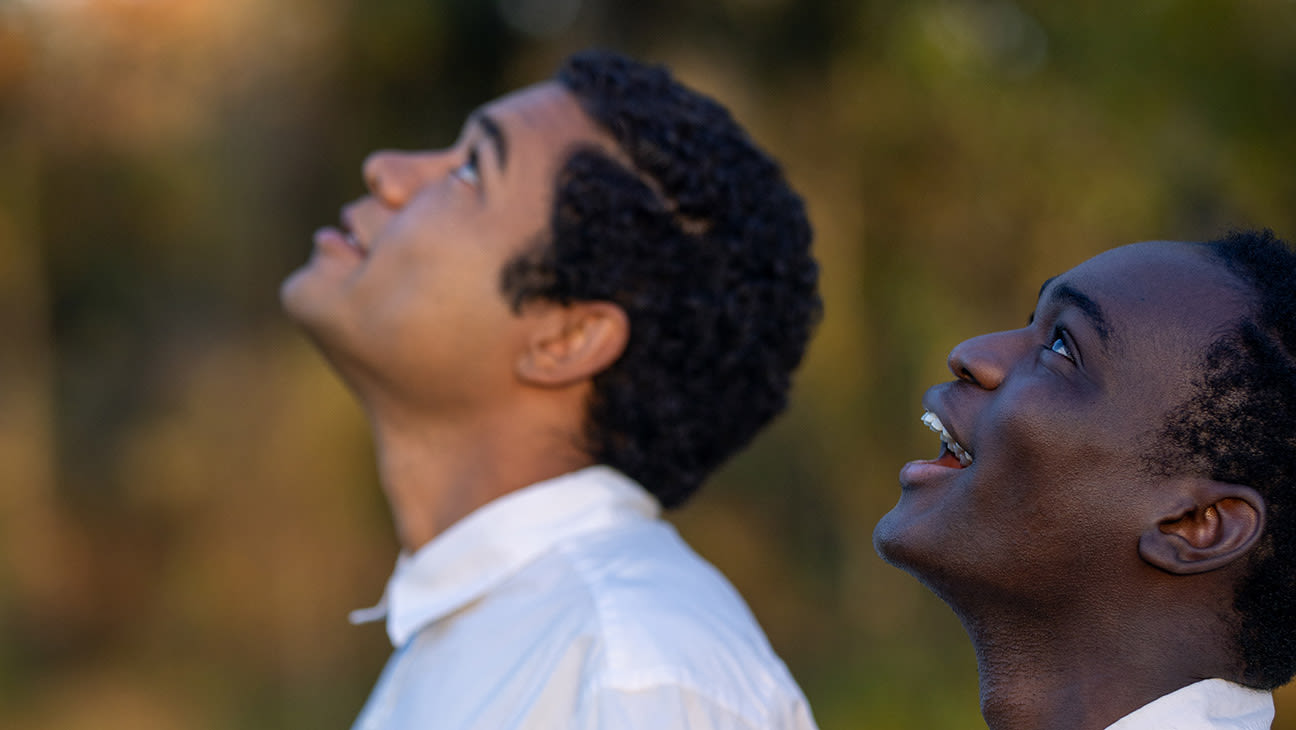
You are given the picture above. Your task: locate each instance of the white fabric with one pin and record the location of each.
(1211, 704)
(569, 604)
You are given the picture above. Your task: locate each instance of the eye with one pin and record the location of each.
(467, 171)
(1060, 346)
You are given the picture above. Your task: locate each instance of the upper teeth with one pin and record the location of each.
(934, 423)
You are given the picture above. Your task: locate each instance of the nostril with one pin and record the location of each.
(369, 170)
(965, 373)
(389, 189)
(983, 360)
(380, 172)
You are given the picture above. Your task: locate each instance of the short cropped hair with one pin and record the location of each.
(707, 249)
(1240, 427)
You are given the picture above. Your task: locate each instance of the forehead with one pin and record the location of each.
(544, 121)
(1161, 299)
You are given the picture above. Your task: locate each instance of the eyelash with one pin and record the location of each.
(1059, 341)
(468, 171)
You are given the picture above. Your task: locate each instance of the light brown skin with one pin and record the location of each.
(467, 399)
(1089, 584)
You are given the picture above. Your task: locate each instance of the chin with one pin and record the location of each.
(316, 307)
(295, 286)
(889, 539)
(304, 298)
(290, 289)
(307, 303)
(902, 540)
(934, 564)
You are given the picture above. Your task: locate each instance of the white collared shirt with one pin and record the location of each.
(569, 604)
(1211, 704)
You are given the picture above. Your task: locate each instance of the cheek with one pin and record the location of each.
(1061, 469)
(1031, 445)
(442, 211)
(1048, 425)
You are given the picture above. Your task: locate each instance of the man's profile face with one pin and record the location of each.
(407, 290)
(1060, 418)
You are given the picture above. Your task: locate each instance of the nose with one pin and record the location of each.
(395, 176)
(984, 360)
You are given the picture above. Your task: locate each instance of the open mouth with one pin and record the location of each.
(952, 452)
(338, 239)
(347, 227)
(350, 239)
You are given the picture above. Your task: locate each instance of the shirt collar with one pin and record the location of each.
(492, 543)
(1210, 703)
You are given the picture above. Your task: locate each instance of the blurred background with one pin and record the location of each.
(188, 506)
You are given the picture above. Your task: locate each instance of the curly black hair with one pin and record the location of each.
(707, 249)
(1239, 426)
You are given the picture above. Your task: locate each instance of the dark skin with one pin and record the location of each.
(1089, 584)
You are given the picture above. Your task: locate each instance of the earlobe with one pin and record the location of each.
(1217, 524)
(573, 342)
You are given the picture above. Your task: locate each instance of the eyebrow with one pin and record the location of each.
(494, 133)
(1067, 294)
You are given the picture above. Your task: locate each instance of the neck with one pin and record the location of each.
(435, 471)
(1051, 671)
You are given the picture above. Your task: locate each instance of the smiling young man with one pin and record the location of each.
(556, 327)
(1113, 512)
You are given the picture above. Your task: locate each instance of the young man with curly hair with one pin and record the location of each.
(1113, 511)
(558, 326)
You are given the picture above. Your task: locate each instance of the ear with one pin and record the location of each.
(573, 342)
(1210, 525)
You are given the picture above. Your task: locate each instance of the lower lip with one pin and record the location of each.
(915, 472)
(332, 239)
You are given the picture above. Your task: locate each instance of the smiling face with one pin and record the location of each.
(1057, 420)
(404, 297)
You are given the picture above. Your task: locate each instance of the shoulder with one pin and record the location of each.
(671, 630)
(668, 706)
(625, 628)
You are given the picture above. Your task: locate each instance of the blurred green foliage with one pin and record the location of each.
(188, 507)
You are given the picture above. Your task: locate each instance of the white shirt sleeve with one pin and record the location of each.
(671, 707)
